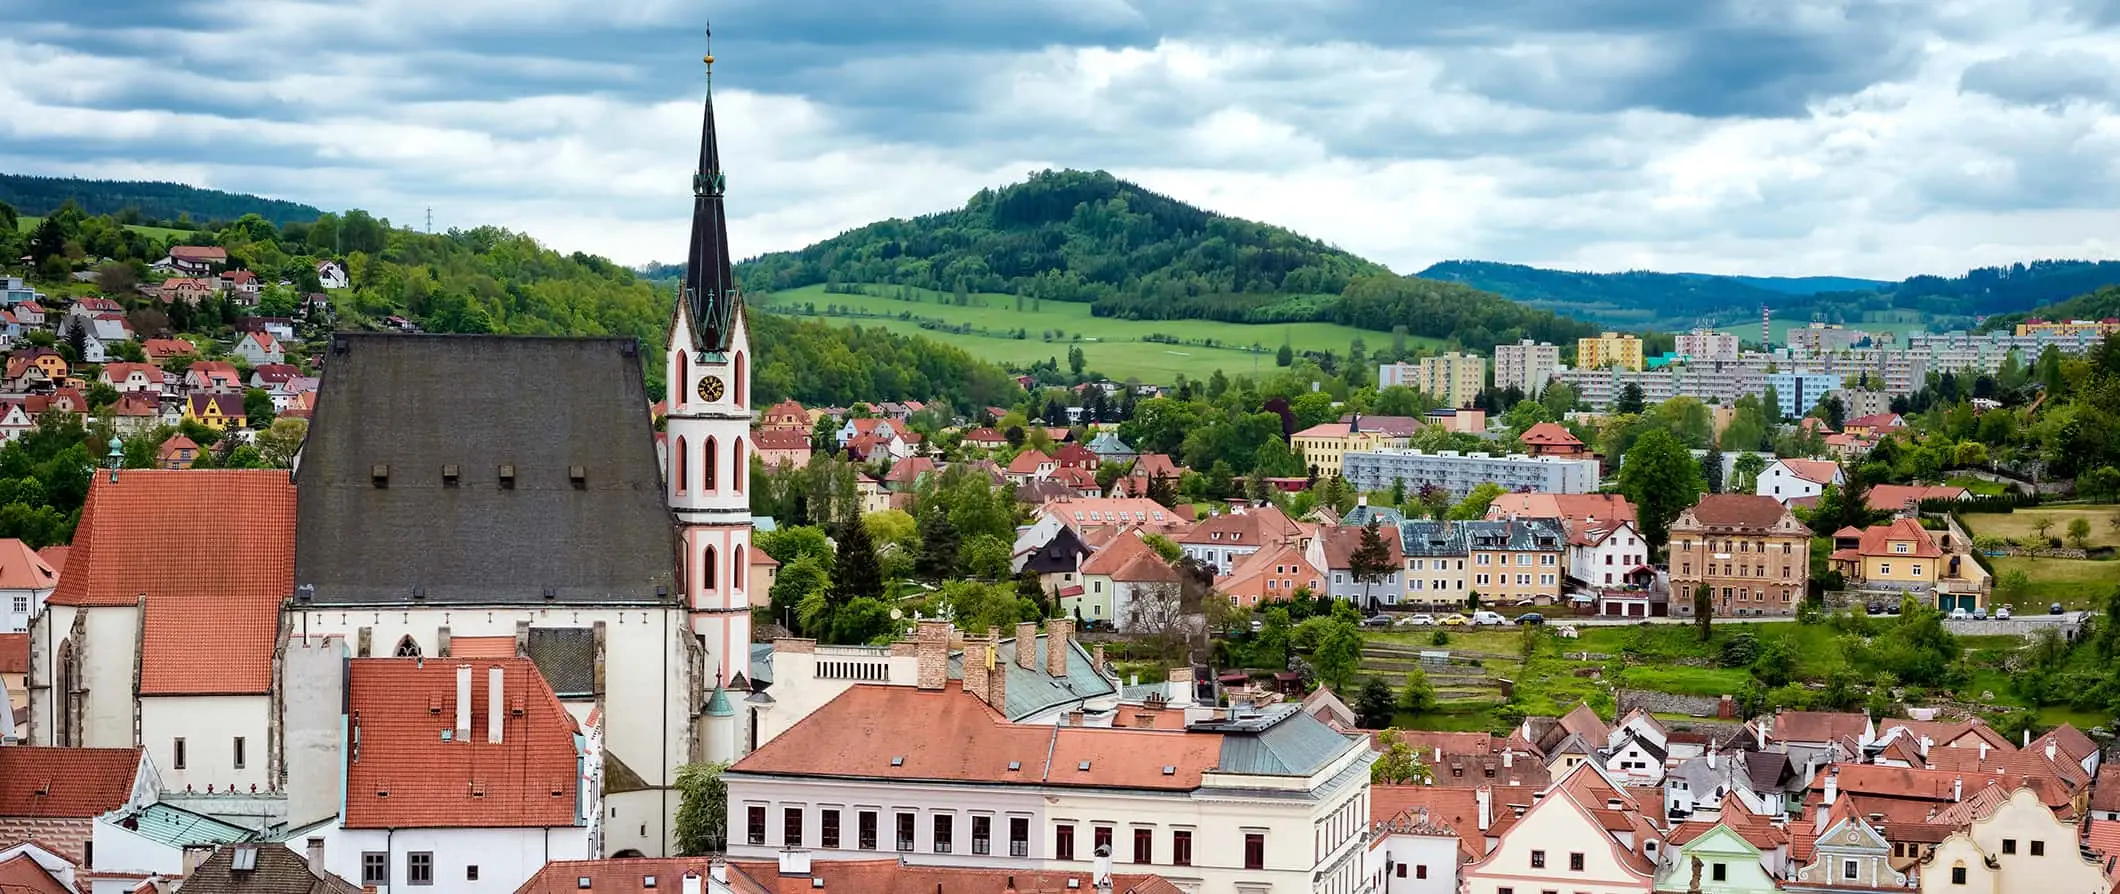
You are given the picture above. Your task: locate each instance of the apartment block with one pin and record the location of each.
(1528, 365)
(1610, 349)
(1458, 473)
(1708, 344)
(1798, 392)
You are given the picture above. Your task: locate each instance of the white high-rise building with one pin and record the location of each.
(1528, 365)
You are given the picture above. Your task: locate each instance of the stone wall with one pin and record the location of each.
(1668, 703)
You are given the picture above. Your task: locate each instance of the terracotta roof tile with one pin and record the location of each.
(879, 876)
(780, 439)
(1895, 497)
(20, 874)
(1746, 511)
(406, 775)
(56, 557)
(14, 654)
(1877, 540)
(1549, 434)
(948, 734)
(1251, 527)
(1341, 541)
(214, 586)
(1027, 462)
(22, 569)
(76, 783)
(1454, 809)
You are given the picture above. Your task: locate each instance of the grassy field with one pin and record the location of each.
(1111, 346)
(2075, 583)
(1979, 487)
(26, 224)
(2025, 522)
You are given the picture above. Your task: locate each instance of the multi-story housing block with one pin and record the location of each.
(1750, 551)
(1527, 365)
(1609, 350)
(1458, 473)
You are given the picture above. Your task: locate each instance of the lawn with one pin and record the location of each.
(2075, 583)
(2024, 523)
(26, 224)
(1979, 487)
(1113, 347)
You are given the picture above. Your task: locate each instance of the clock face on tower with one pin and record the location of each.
(711, 388)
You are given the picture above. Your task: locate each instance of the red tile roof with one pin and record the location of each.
(406, 775)
(1874, 420)
(1895, 497)
(1815, 726)
(1252, 527)
(483, 647)
(1549, 434)
(1129, 558)
(21, 874)
(212, 585)
(880, 876)
(1341, 541)
(780, 439)
(56, 556)
(1816, 471)
(1743, 511)
(1454, 809)
(949, 735)
(198, 252)
(14, 654)
(1027, 462)
(65, 782)
(1878, 539)
(22, 569)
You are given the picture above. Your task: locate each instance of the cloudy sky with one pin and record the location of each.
(1847, 137)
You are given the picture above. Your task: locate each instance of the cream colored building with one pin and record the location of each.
(1453, 378)
(1610, 349)
(2020, 846)
(1321, 446)
(1584, 834)
(1527, 365)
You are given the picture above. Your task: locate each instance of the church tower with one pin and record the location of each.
(708, 426)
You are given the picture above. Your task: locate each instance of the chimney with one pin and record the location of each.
(1926, 742)
(2050, 748)
(794, 861)
(2027, 739)
(1027, 645)
(1058, 633)
(1074, 718)
(977, 649)
(1180, 687)
(997, 684)
(1957, 788)
(496, 705)
(1144, 720)
(1484, 795)
(1097, 657)
(1711, 756)
(718, 870)
(1508, 757)
(1832, 785)
(1983, 750)
(931, 645)
(691, 883)
(463, 703)
(316, 856)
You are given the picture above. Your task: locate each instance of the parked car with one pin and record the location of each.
(1454, 620)
(1377, 621)
(1257, 625)
(1530, 619)
(2003, 613)
(1421, 620)
(1873, 607)
(1960, 614)
(1489, 619)
(1524, 602)
(2054, 609)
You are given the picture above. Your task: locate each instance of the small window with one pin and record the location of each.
(982, 834)
(1575, 862)
(905, 832)
(865, 830)
(1958, 875)
(1420, 870)
(1019, 836)
(1255, 852)
(176, 753)
(239, 752)
(829, 821)
(1538, 859)
(2009, 845)
(1063, 842)
(1847, 869)
(2038, 848)
(1181, 848)
(471, 874)
(945, 827)
(755, 824)
(419, 868)
(791, 826)
(375, 868)
(1720, 872)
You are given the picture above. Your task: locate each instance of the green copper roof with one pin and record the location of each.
(1030, 690)
(718, 703)
(177, 827)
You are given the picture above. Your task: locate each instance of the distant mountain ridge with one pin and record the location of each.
(1648, 299)
(152, 200)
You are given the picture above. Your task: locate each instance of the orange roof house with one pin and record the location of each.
(1550, 439)
(1270, 575)
(53, 795)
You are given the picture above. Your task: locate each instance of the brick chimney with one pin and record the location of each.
(976, 672)
(1058, 632)
(932, 650)
(1144, 719)
(1027, 645)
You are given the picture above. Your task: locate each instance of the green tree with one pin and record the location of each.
(1744, 473)
(1474, 506)
(2044, 524)
(1375, 705)
(787, 544)
(257, 407)
(2101, 485)
(1338, 653)
(1661, 479)
(1371, 560)
(702, 821)
(986, 557)
(938, 544)
(1418, 695)
(1076, 361)
(2079, 532)
(1286, 356)
(1629, 400)
(799, 583)
(1703, 612)
(857, 573)
(1398, 765)
(1711, 469)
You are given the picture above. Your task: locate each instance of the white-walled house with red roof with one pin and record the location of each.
(1794, 479)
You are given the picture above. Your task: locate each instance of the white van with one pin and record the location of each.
(1488, 619)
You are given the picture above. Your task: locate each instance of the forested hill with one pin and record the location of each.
(1679, 300)
(2099, 305)
(143, 201)
(1087, 236)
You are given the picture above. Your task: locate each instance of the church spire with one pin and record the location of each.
(709, 290)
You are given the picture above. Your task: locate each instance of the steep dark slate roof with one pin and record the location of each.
(567, 658)
(414, 405)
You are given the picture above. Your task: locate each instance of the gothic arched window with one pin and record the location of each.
(406, 648)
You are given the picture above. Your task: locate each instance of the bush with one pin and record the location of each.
(1439, 638)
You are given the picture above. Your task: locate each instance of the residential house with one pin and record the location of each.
(1271, 574)
(1635, 750)
(15, 419)
(1075, 456)
(1332, 551)
(1420, 835)
(1698, 785)
(111, 328)
(782, 447)
(64, 400)
(91, 307)
(1224, 540)
(479, 807)
(136, 413)
(1749, 550)
(197, 260)
(2018, 845)
(274, 376)
(1904, 499)
(985, 439)
(1503, 561)
(1109, 448)
(1793, 479)
(1113, 576)
(1551, 439)
(788, 415)
(1077, 481)
(255, 868)
(1030, 465)
(1585, 833)
(1322, 446)
(29, 314)
(215, 411)
(332, 275)
(1435, 555)
(856, 427)
(163, 350)
(25, 581)
(939, 771)
(190, 290)
(1841, 852)
(31, 868)
(1609, 349)
(1730, 856)
(53, 796)
(112, 655)
(906, 474)
(46, 360)
(1088, 516)
(1875, 425)
(1056, 562)
(1462, 420)
(212, 375)
(177, 454)
(128, 377)
(14, 290)
(244, 285)
(259, 348)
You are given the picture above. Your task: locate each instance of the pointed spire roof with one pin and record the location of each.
(710, 294)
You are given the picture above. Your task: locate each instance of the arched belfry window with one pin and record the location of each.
(406, 648)
(707, 465)
(708, 571)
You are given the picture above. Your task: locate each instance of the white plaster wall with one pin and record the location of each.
(798, 692)
(1438, 853)
(852, 798)
(1556, 827)
(121, 850)
(12, 621)
(505, 857)
(108, 652)
(209, 725)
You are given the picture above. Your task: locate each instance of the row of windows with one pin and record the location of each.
(1523, 560)
(419, 869)
(943, 829)
(1730, 570)
(709, 466)
(179, 754)
(1522, 580)
(1741, 546)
